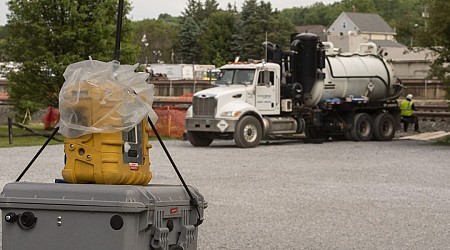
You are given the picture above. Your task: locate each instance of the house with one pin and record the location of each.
(351, 29)
(370, 25)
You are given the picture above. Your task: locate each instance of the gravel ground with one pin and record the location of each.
(291, 195)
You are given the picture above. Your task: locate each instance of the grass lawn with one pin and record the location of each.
(20, 141)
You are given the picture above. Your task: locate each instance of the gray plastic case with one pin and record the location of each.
(92, 216)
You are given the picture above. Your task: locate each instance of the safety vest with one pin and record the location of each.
(406, 108)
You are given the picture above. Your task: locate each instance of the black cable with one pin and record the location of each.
(193, 200)
(118, 30)
(38, 153)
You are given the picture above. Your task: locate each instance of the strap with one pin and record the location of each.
(37, 154)
(193, 201)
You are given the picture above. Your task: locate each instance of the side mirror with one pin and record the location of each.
(266, 78)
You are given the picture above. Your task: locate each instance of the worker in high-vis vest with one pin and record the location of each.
(407, 107)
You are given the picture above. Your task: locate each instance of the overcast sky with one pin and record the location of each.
(151, 9)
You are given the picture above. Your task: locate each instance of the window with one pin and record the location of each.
(266, 77)
(237, 76)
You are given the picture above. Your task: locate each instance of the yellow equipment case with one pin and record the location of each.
(109, 158)
(117, 157)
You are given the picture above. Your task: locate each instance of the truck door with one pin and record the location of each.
(265, 92)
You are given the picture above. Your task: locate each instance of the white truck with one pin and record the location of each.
(308, 89)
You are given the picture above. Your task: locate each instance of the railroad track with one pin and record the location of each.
(432, 112)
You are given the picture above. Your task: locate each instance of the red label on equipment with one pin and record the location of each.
(173, 210)
(134, 166)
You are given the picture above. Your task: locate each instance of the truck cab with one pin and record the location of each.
(244, 90)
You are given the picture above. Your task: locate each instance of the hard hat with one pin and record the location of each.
(409, 97)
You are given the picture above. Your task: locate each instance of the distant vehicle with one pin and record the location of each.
(210, 75)
(308, 89)
(180, 71)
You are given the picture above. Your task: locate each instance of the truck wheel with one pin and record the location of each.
(248, 132)
(384, 127)
(362, 127)
(199, 139)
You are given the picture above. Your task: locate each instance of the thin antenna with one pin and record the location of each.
(118, 30)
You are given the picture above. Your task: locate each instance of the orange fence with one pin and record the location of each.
(171, 121)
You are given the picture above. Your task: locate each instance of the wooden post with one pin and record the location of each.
(10, 131)
(169, 121)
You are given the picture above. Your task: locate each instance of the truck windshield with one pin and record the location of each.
(237, 76)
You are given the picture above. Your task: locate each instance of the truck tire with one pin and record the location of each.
(384, 127)
(248, 132)
(199, 139)
(362, 127)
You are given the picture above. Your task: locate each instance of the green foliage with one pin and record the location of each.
(168, 19)
(189, 45)
(364, 6)
(22, 138)
(3, 35)
(217, 38)
(443, 142)
(256, 20)
(436, 36)
(160, 35)
(209, 35)
(316, 14)
(3, 32)
(46, 36)
(199, 11)
(194, 19)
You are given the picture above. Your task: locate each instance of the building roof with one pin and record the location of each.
(319, 30)
(369, 22)
(388, 44)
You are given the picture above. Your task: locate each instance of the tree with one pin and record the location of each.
(194, 19)
(436, 36)
(46, 36)
(3, 35)
(168, 19)
(364, 6)
(156, 38)
(194, 9)
(189, 47)
(217, 38)
(257, 20)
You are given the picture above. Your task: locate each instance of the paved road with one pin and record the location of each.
(291, 195)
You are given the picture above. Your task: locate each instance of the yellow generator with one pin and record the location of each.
(119, 157)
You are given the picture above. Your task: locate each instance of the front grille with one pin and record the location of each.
(204, 106)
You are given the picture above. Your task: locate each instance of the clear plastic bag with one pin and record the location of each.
(103, 97)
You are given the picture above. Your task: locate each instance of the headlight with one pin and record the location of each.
(231, 114)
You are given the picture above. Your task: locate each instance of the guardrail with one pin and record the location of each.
(432, 111)
(31, 131)
(432, 114)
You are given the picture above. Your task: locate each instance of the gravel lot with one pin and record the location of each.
(291, 195)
